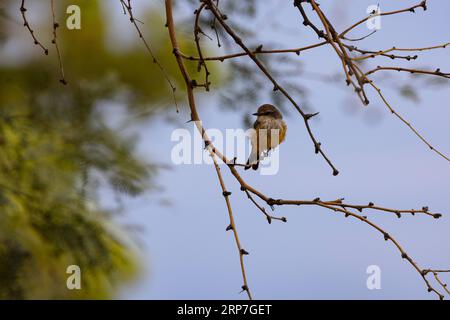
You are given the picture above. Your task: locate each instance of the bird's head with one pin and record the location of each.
(268, 110)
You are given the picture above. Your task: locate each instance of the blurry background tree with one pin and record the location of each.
(57, 149)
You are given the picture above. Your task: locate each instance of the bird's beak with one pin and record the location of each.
(256, 114)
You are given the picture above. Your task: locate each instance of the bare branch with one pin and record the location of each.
(232, 225)
(197, 31)
(422, 5)
(412, 71)
(30, 30)
(262, 209)
(392, 110)
(55, 42)
(297, 51)
(128, 9)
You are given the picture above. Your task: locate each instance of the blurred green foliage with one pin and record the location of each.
(56, 150)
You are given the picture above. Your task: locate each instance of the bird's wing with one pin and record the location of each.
(256, 124)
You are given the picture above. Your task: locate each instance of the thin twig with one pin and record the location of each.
(412, 71)
(127, 6)
(55, 42)
(373, 54)
(442, 284)
(422, 5)
(360, 38)
(297, 51)
(394, 112)
(213, 26)
(30, 30)
(197, 31)
(263, 210)
(232, 226)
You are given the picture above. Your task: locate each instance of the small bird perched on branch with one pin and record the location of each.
(269, 131)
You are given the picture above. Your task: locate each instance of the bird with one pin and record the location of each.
(269, 118)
